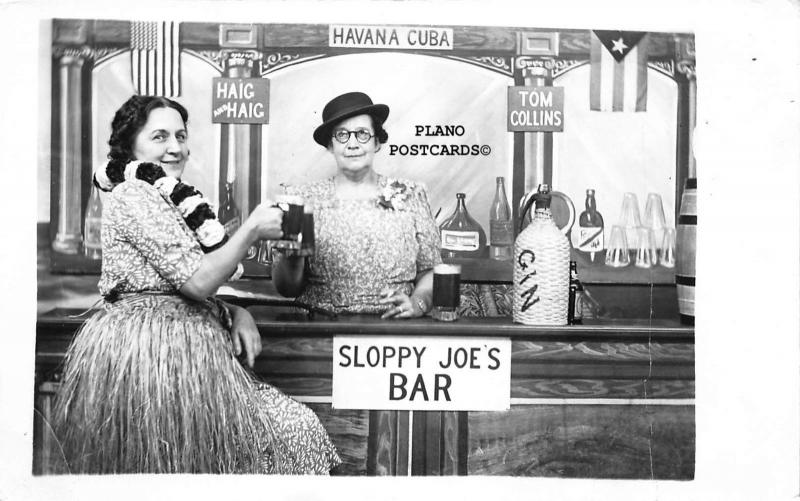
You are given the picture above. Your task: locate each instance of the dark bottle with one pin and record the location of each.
(92, 243)
(461, 235)
(575, 311)
(501, 231)
(588, 236)
(229, 214)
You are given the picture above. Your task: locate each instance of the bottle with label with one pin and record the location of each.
(229, 214)
(575, 311)
(501, 232)
(92, 241)
(541, 268)
(588, 236)
(461, 235)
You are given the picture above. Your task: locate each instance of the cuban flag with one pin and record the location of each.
(618, 71)
(155, 58)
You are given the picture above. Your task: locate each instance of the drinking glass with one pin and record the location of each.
(630, 218)
(667, 259)
(292, 222)
(646, 256)
(446, 292)
(617, 254)
(654, 216)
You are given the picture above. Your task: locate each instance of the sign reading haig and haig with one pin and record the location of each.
(240, 101)
(421, 373)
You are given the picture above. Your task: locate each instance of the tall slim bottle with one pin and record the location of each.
(92, 226)
(229, 214)
(501, 232)
(575, 312)
(462, 236)
(588, 236)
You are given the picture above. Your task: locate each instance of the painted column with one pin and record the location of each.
(68, 236)
(536, 143)
(239, 161)
(686, 65)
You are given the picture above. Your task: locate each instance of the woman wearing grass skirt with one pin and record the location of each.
(152, 382)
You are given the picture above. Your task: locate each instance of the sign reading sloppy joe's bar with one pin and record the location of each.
(390, 37)
(421, 373)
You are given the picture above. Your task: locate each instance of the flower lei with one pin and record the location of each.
(394, 195)
(195, 209)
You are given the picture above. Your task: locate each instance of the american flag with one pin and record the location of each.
(618, 75)
(155, 58)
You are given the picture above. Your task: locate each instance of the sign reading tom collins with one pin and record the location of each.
(535, 109)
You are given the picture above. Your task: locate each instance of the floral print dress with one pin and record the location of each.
(151, 383)
(364, 247)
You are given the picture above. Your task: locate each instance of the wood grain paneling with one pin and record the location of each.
(589, 351)
(601, 388)
(455, 434)
(634, 442)
(349, 430)
(387, 452)
(439, 443)
(314, 37)
(602, 361)
(308, 386)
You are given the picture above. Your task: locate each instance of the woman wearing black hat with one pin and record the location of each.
(376, 242)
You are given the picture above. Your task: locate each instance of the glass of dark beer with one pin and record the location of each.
(446, 292)
(292, 223)
(308, 229)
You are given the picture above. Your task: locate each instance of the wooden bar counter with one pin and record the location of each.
(609, 399)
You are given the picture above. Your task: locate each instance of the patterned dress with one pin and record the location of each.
(151, 383)
(364, 247)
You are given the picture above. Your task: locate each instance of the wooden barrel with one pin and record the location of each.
(685, 251)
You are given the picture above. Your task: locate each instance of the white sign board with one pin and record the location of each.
(424, 373)
(390, 37)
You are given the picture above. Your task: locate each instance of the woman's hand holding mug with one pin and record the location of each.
(266, 221)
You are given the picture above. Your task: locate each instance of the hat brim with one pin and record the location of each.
(322, 134)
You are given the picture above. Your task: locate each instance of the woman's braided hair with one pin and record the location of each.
(128, 121)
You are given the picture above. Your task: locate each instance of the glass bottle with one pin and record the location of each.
(461, 235)
(541, 268)
(92, 225)
(501, 232)
(588, 236)
(575, 311)
(229, 214)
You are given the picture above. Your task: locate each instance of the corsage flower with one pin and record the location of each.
(395, 195)
(195, 209)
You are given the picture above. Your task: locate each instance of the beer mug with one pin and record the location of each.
(292, 222)
(446, 292)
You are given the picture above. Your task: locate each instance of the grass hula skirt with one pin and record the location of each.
(151, 385)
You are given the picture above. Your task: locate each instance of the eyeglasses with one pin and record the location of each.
(343, 136)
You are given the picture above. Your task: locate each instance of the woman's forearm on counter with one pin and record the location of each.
(218, 266)
(423, 288)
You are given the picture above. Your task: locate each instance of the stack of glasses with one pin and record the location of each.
(634, 240)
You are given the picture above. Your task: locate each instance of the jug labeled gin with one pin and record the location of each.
(541, 268)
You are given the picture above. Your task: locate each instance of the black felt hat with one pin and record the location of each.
(346, 106)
